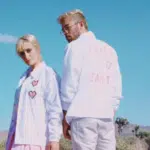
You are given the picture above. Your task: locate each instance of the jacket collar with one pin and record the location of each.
(35, 73)
(88, 35)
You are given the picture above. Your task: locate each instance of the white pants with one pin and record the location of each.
(93, 134)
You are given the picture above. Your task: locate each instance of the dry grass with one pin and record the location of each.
(123, 143)
(2, 146)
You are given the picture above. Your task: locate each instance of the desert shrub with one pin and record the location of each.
(143, 134)
(121, 122)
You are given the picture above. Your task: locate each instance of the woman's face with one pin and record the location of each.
(30, 55)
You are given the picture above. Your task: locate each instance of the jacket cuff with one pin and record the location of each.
(54, 139)
(65, 105)
(116, 104)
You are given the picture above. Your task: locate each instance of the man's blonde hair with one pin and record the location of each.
(76, 15)
(26, 38)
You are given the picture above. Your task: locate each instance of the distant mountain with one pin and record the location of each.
(146, 128)
(127, 131)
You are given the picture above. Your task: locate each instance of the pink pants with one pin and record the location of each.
(24, 146)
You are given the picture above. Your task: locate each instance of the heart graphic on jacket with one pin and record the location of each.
(32, 94)
(34, 82)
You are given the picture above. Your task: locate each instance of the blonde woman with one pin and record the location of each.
(37, 114)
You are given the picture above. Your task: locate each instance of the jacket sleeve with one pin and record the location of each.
(53, 109)
(116, 80)
(71, 73)
(12, 123)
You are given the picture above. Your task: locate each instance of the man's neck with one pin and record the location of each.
(83, 31)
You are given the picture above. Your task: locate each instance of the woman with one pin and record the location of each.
(37, 115)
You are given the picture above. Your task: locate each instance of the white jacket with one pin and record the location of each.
(37, 113)
(91, 84)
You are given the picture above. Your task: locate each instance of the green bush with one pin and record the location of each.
(143, 134)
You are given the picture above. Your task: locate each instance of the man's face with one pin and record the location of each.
(71, 29)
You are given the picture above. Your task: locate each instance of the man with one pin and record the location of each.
(90, 87)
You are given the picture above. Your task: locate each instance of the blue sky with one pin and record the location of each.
(122, 24)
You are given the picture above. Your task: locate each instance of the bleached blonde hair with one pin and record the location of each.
(76, 15)
(26, 38)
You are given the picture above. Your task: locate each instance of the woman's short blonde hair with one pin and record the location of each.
(26, 38)
(76, 15)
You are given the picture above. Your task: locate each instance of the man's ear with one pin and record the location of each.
(81, 24)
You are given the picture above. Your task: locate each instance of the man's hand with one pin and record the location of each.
(66, 128)
(52, 146)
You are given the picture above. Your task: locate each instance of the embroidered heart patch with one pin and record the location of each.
(32, 94)
(34, 82)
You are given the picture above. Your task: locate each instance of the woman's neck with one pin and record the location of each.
(36, 64)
